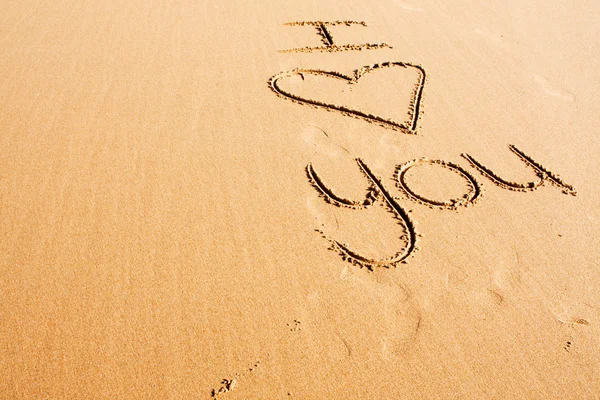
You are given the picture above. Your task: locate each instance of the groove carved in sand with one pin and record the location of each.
(544, 175)
(329, 44)
(408, 126)
(470, 197)
(376, 193)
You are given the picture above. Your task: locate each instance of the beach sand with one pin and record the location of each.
(246, 200)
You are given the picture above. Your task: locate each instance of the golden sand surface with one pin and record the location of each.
(299, 199)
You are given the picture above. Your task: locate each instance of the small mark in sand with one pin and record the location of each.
(579, 321)
(318, 138)
(552, 89)
(321, 129)
(495, 38)
(226, 386)
(496, 296)
(295, 325)
(254, 366)
(568, 345)
(409, 7)
(347, 346)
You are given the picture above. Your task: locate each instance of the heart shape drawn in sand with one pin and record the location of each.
(408, 126)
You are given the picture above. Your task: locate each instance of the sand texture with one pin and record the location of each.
(299, 199)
